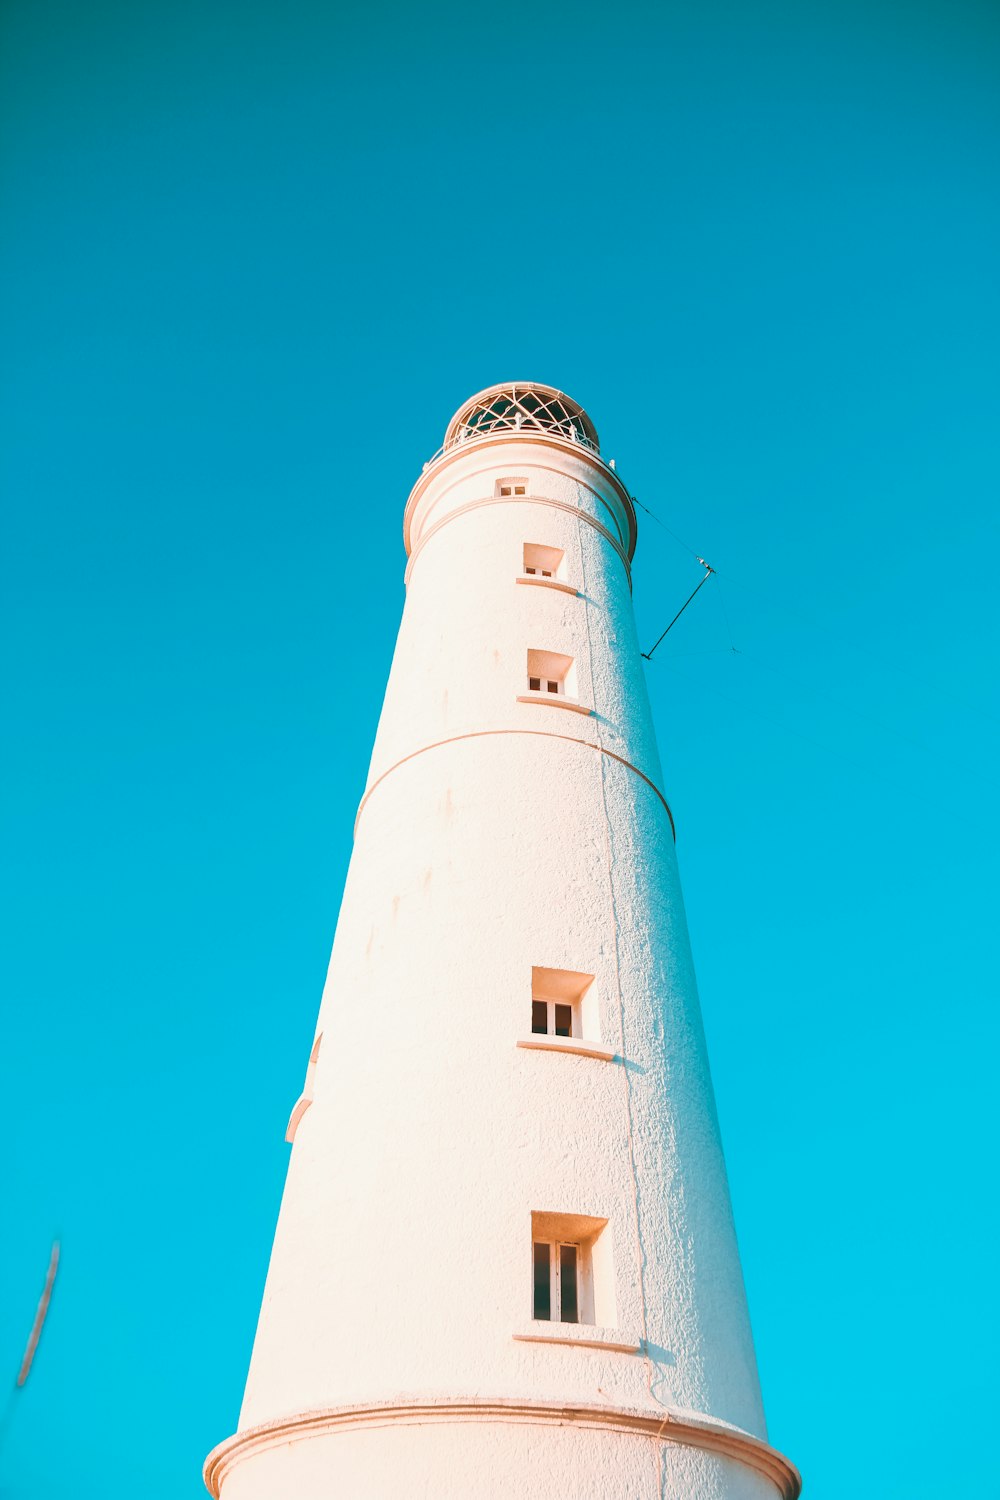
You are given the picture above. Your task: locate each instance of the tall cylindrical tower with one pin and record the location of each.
(505, 1262)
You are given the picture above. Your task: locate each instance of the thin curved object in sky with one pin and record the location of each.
(43, 1307)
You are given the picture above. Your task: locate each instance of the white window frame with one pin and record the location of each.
(552, 685)
(555, 1247)
(550, 1008)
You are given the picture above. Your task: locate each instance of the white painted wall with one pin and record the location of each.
(495, 836)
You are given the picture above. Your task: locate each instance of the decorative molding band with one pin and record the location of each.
(478, 734)
(298, 1110)
(470, 505)
(496, 439)
(663, 1424)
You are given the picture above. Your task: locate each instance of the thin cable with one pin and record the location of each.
(666, 528)
(43, 1307)
(725, 616)
(648, 655)
(862, 648)
(32, 1345)
(842, 706)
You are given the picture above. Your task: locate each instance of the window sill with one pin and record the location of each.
(583, 1335)
(578, 1044)
(547, 583)
(555, 700)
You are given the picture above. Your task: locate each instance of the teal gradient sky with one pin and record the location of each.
(252, 259)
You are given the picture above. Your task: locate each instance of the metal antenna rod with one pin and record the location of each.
(33, 1337)
(648, 655)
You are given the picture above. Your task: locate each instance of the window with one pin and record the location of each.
(506, 487)
(563, 1265)
(557, 997)
(551, 677)
(542, 562)
(550, 672)
(551, 1018)
(555, 1296)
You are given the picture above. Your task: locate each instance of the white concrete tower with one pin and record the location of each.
(505, 1263)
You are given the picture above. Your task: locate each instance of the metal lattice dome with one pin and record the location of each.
(522, 406)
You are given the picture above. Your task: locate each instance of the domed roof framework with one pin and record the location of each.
(522, 406)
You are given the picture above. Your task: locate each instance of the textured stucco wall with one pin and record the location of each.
(496, 836)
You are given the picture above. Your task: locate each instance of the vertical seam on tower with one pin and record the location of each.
(640, 1252)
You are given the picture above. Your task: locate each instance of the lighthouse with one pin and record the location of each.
(505, 1262)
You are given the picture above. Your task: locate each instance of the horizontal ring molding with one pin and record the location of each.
(470, 505)
(478, 734)
(497, 441)
(662, 1424)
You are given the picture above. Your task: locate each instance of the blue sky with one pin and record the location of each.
(253, 258)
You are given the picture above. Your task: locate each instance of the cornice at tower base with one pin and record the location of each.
(662, 1424)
